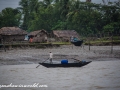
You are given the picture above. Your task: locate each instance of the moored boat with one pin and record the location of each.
(77, 43)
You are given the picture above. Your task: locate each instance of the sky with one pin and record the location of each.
(15, 3)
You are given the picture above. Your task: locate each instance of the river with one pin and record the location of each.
(98, 75)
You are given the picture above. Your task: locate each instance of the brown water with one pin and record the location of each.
(98, 75)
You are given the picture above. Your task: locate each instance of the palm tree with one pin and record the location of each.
(28, 8)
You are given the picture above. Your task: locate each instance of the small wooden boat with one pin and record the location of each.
(77, 43)
(73, 64)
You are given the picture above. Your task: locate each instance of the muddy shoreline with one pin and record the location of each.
(33, 56)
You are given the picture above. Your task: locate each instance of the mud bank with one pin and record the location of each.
(33, 56)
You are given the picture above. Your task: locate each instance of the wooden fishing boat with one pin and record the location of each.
(77, 43)
(72, 64)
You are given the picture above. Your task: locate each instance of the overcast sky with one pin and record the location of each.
(15, 3)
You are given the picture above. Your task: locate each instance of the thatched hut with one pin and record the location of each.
(9, 34)
(65, 35)
(38, 36)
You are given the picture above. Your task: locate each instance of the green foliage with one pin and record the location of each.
(108, 28)
(10, 17)
(59, 25)
(85, 18)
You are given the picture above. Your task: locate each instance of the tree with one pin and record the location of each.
(28, 8)
(10, 17)
(84, 17)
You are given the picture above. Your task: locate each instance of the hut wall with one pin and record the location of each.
(40, 38)
(10, 38)
(62, 39)
(66, 39)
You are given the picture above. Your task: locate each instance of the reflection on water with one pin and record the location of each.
(98, 75)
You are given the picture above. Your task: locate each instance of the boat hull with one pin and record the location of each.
(77, 43)
(79, 64)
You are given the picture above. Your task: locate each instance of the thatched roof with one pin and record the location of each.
(34, 33)
(12, 31)
(66, 33)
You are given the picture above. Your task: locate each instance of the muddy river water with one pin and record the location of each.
(98, 75)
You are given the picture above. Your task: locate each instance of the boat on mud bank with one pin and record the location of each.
(77, 43)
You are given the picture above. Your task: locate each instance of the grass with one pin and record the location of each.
(36, 45)
(62, 43)
(103, 42)
(58, 43)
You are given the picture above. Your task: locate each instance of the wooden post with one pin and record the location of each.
(89, 45)
(112, 44)
(72, 46)
(3, 45)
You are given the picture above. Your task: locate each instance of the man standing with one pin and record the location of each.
(51, 57)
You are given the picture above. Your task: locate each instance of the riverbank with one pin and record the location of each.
(33, 56)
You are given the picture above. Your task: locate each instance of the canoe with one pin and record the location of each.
(73, 64)
(77, 43)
